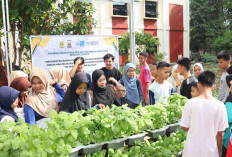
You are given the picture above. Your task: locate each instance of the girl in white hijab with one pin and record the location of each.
(197, 69)
(175, 79)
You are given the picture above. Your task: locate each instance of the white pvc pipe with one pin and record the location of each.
(6, 45)
(132, 32)
(9, 35)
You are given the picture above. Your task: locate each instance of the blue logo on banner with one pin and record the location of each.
(82, 43)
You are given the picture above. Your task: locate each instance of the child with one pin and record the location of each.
(194, 90)
(223, 63)
(175, 79)
(184, 65)
(61, 76)
(77, 97)
(197, 69)
(154, 71)
(160, 88)
(102, 92)
(8, 101)
(145, 75)
(78, 67)
(205, 119)
(42, 97)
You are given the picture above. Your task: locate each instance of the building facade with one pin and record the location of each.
(167, 20)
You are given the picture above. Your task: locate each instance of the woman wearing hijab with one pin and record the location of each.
(22, 85)
(175, 79)
(8, 101)
(134, 91)
(42, 97)
(15, 74)
(197, 69)
(61, 76)
(3, 77)
(103, 93)
(77, 98)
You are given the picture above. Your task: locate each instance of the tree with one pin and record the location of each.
(36, 17)
(223, 42)
(143, 41)
(206, 24)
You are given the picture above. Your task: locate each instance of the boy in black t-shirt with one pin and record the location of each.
(184, 65)
(109, 69)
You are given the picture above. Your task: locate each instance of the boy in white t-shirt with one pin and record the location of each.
(160, 88)
(205, 119)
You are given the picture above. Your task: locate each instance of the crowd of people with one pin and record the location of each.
(32, 97)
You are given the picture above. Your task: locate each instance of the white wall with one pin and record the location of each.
(103, 17)
(104, 22)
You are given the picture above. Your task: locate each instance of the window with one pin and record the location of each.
(120, 9)
(154, 49)
(151, 10)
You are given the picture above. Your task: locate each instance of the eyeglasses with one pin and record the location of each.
(130, 71)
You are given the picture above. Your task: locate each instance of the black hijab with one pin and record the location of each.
(72, 101)
(101, 95)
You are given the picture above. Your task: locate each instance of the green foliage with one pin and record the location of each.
(158, 113)
(65, 131)
(210, 25)
(206, 24)
(223, 42)
(46, 18)
(144, 41)
(163, 147)
(209, 59)
(159, 57)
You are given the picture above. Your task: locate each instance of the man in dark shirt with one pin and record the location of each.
(184, 65)
(109, 70)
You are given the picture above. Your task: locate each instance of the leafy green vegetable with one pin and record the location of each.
(163, 147)
(65, 131)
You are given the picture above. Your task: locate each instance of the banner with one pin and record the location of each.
(61, 50)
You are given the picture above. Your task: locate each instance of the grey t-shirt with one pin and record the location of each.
(224, 89)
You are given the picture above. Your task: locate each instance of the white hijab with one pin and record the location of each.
(171, 79)
(197, 64)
